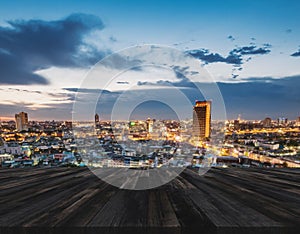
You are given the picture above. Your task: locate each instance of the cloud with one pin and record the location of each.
(236, 56)
(30, 45)
(296, 54)
(231, 38)
(47, 97)
(261, 97)
(180, 73)
(251, 50)
(25, 90)
(119, 62)
(14, 71)
(90, 91)
(85, 90)
(207, 57)
(122, 82)
(254, 98)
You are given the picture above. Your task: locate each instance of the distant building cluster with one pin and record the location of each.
(243, 143)
(238, 124)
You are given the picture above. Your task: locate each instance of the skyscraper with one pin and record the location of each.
(298, 121)
(21, 121)
(202, 120)
(149, 125)
(97, 118)
(267, 122)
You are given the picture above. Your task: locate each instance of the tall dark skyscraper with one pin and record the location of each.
(202, 120)
(97, 118)
(21, 121)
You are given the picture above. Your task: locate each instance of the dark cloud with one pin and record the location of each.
(136, 68)
(14, 71)
(30, 45)
(261, 97)
(236, 57)
(296, 54)
(122, 82)
(159, 82)
(254, 98)
(207, 57)
(231, 38)
(251, 50)
(25, 90)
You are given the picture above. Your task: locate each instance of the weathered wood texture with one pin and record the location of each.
(254, 199)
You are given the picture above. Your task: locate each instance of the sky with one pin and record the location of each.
(250, 50)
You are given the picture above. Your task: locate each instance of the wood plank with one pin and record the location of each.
(221, 198)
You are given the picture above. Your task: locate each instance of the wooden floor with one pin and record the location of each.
(222, 200)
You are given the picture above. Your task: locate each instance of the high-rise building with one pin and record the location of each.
(202, 120)
(150, 125)
(236, 124)
(298, 121)
(97, 118)
(68, 124)
(267, 122)
(21, 121)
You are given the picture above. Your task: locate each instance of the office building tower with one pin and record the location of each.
(150, 125)
(202, 120)
(298, 122)
(267, 122)
(97, 118)
(21, 121)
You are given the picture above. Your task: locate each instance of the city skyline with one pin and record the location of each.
(253, 57)
(145, 117)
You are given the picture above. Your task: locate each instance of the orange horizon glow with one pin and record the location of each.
(6, 118)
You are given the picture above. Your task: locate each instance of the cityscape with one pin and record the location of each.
(171, 117)
(153, 143)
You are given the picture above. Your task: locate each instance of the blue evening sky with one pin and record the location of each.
(264, 37)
